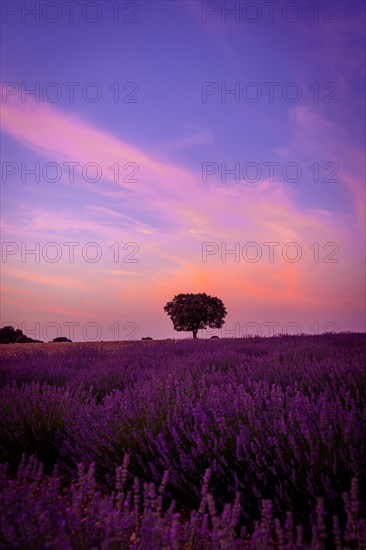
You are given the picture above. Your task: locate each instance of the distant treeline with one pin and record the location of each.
(10, 335)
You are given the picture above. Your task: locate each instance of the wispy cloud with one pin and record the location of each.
(184, 212)
(60, 282)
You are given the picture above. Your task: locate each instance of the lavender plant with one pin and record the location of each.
(273, 428)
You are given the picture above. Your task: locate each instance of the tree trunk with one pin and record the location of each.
(195, 333)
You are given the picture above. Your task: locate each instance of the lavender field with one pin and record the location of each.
(207, 444)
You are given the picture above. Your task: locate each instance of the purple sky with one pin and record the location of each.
(226, 128)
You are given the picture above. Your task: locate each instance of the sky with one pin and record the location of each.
(154, 148)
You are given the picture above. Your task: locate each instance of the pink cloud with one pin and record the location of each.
(189, 212)
(60, 282)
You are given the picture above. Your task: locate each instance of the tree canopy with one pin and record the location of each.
(10, 335)
(192, 312)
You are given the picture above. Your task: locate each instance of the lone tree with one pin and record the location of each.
(191, 312)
